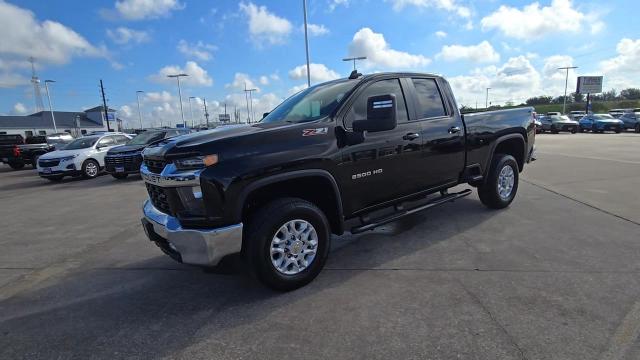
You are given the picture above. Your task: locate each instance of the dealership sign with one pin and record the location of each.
(589, 85)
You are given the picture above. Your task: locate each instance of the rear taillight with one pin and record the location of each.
(16, 151)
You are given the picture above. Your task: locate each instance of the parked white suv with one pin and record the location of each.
(81, 157)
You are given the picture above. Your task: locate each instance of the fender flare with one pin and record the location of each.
(501, 139)
(297, 174)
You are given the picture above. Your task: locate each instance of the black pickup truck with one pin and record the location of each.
(18, 152)
(330, 155)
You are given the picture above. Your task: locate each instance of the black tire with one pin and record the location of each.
(55, 178)
(265, 225)
(582, 129)
(618, 130)
(90, 169)
(488, 192)
(34, 161)
(16, 165)
(119, 176)
(573, 130)
(637, 128)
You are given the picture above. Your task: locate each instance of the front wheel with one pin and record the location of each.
(502, 182)
(287, 243)
(637, 128)
(573, 130)
(90, 169)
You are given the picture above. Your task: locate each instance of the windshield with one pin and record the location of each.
(603, 117)
(147, 137)
(312, 103)
(82, 143)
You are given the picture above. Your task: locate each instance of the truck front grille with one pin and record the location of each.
(155, 166)
(131, 162)
(49, 163)
(159, 198)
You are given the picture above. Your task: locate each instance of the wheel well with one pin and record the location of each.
(514, 147)
(315, 189)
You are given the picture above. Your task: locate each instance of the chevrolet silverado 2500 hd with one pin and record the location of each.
(276, 190)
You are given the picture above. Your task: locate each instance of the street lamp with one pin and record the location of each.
(486, 101)
(306, 41)
(53, 119)
(177, 76)
(191, 110)
(354, 59)
(566, 81)
(139, 113)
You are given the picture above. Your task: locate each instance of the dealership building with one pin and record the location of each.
(41, 123)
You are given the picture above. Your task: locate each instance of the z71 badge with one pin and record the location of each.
(314, 132)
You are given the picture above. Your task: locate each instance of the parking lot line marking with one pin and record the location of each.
(580, 201)
(625, 335)
(589, 157)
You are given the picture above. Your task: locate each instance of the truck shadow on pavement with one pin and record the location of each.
(149, 310)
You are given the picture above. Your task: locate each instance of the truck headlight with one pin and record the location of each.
(196, 162)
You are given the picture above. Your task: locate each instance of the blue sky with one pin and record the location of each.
(514, 47)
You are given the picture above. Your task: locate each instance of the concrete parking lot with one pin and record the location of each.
(555, 276)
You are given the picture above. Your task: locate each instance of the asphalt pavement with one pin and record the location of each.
(554, 276)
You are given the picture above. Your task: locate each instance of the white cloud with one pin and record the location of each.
(319, 73)
(623, 71)
(554, 79)
(296, 89)
(19, 109)
(261, 104)
(315, 29)
(264, 26)
(379, 53)
(264, 80)
(441, 34)
(483, 52)
(146, 9)
(125, 111)
(156, 97)
(448, 5)
(197, 75)
(534, 21)
(333, 4)
(48, 41)
(123, 35)
(240, 80)
(200, 50)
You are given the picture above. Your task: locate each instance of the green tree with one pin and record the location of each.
(539, 100)
(630, 94)
(577, 97)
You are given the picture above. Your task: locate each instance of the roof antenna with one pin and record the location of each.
(354, 75)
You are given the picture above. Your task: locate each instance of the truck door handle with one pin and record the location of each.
(454, 129)
(411, 136)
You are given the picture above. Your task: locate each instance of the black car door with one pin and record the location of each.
(442, 132)
(381, 168)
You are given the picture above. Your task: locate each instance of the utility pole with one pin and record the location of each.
(486, 101)
(53, 118)
(36, 85)
(306, 41)
(206, 113)
(191, 110)
(104, 106)
(566, 81)
(139, 113)
(178, 76)
(354, 59)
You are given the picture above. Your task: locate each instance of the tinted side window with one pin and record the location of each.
(429, 99)
(358, 110)
(107, 141)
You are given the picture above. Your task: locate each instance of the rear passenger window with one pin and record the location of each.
(358, 110)
(429, 99)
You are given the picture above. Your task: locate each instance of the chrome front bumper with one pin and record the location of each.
(205, 247)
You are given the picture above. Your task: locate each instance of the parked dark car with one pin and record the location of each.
(123, 160)
(600, 123)
(276, 190)
(9, 150)
(631, 121)
(558, 123)
(36, 146)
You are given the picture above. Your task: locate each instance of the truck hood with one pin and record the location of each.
(62, 153)
(125, 149)
(185, 143)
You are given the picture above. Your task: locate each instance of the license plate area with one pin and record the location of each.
(119, 169)
(46, 170)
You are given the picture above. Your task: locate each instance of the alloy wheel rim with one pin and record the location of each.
(294, 247)
(91, 169)
(506, 180)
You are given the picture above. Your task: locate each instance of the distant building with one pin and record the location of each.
(75, 123)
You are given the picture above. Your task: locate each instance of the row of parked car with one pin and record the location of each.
(58, 155)
(616, 121)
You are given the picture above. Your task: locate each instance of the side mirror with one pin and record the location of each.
(381, 114)
(264, 115)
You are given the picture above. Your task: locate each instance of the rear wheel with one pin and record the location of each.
(90, 169)
(637, 128)
(16, 165)
(574, 130)
(287, 243)
(502, 182)
(119, 176)
(34, 161)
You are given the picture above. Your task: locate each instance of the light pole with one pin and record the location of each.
(139, 113)
(53, 118)
(306, 41)
(486, 100)
(354, 59)
(249, 112)
(177, 76)
(191, 110)
(566, 81)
